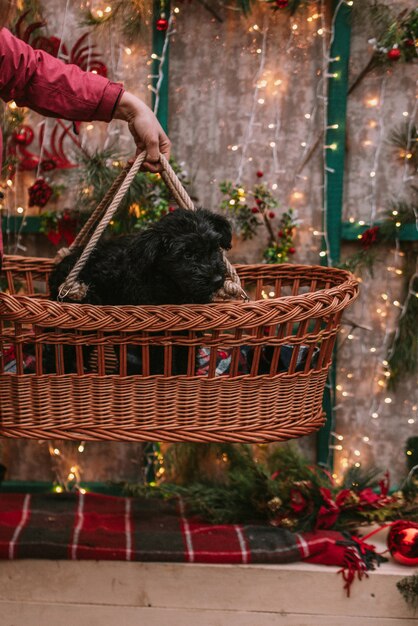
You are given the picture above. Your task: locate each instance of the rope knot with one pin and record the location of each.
(74, 290)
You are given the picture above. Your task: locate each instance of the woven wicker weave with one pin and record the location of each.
(294, 305)
(234, 407)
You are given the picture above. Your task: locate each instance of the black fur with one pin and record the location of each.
(177, 260)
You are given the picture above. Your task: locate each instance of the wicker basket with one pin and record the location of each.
(294, 306)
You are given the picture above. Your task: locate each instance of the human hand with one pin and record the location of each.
(146, 130)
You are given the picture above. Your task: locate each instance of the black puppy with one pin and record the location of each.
(177, 260)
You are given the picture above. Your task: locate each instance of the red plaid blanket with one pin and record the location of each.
(93, 526)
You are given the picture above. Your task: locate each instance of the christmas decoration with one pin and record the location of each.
(82, 53)
(60, 228)
(394, 54)
(247, 219)
(130, 14)
(39, 193)
(395, 40)
(369, 237)
(403, 542)
(161, 24)
(145, 202)
(282, 249)
(235, 483)
(23, 135)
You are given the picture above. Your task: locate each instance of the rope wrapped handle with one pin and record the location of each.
(103, 214)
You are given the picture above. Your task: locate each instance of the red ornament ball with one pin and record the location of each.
(260, 174)
(161, 24)
(255, 209)
(23, 135)
(272, 215)
(292, 250)
(394, 54)
(403, 542)
(282, 4)
(280, 233)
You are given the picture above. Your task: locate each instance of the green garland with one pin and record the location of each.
(129, 14)
(236, 483)
(395, 40)
(251, 208)
(145, 202)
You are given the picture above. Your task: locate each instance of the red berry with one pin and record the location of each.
(272, 215)
(171, 209)
(255, 210)
(280, 233)
(282, 4)
(410, 42)
(260, 174)
(394, 54)
(258, 201)
(292, 250)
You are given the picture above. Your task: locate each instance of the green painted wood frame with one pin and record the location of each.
(333, 187)
(158, 40)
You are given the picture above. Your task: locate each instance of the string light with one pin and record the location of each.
(250, 126)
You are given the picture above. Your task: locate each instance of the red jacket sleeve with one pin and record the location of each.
(45, 84)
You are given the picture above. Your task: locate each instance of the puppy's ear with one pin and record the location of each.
(222, 227)
(145, 249)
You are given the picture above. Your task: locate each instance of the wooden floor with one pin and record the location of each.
(114, 593)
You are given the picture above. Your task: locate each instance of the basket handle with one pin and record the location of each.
(104, 212)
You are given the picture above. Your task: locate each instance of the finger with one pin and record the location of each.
(154, 168)
(165, 146)
(153, 151)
